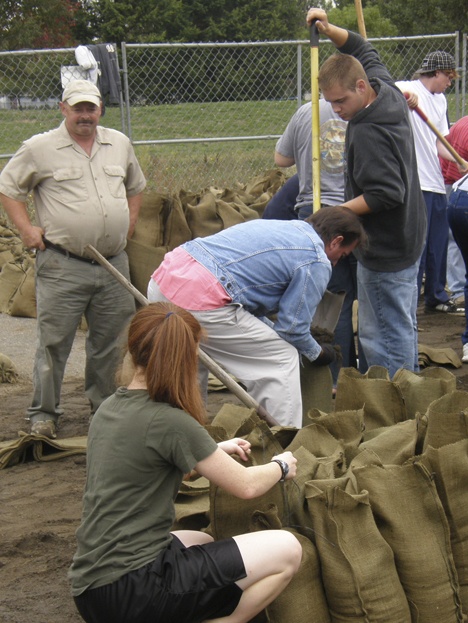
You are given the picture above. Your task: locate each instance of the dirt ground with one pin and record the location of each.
(40, 503)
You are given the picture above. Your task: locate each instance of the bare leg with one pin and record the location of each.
(192, 537)
(271, 559)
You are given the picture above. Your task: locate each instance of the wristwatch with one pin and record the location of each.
(284, 468)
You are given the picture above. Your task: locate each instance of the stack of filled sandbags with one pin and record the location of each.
(379, 502)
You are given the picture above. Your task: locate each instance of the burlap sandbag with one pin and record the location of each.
(143, 261)
(428, 355)
(230, 515)
(39, 448)
(11, 246)
(8, 371)
(149, 228)
(192, 504)
(270, 181)
(176, 229)
(191, 512)
(207, 215)
(410, 517)
(232, 200)
(161, 221)
(419, 389)
(392, 444)
(303, 600)
(23, 303)
(447, 420)
(17, 288)
(358, 569)
(323, 445)
(249, 207)
(383, 401)
(264, 443)
(346, 426)
(231, 417)
(449, 466)
(309, 467)
(316, 388)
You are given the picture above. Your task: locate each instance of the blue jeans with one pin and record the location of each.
(457, 214)
(343, 279)
(281, 205)
(434, 257)
(388, 331)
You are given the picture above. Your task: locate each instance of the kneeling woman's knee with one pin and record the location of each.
(291, 550)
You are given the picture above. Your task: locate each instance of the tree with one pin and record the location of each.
(376, 24)
(426, 17)
(38, 23)
(196, 20)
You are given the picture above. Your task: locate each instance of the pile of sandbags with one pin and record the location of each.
(380, 502)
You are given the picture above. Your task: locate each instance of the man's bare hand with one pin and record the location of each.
(411, 98)
(321, 17)
(32, 238)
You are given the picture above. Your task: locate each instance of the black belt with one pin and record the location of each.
(74, 256)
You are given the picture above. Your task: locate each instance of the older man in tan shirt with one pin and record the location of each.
(87, 186)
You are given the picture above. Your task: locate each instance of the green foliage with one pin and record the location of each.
(416, 17)
(155, 21)
(37, 24)
(376, 24)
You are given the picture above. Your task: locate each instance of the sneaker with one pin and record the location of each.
(465, 353)
(46, 428)
(459, 303)
(450, 307)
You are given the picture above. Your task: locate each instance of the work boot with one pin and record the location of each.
(46, 428)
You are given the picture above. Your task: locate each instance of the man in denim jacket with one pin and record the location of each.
(233, 280)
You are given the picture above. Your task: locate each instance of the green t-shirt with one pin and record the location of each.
(138, 452)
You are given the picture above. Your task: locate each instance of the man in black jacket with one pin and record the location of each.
(382, 186)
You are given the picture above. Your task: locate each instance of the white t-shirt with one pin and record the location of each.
(461, 184)
(434, 105)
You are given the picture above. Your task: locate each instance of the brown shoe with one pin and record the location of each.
(46, 428)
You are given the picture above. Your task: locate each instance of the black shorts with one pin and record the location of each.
(183, 585)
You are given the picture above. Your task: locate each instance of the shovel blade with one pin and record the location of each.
(328, 311)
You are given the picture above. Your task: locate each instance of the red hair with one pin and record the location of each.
(163, 341)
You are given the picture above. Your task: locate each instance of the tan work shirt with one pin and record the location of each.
(79, 199)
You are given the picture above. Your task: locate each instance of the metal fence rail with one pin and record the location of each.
(198, 114)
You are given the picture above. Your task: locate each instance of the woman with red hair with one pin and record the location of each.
(129, 565)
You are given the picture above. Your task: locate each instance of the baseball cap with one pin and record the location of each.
(78, 91)
(437, 61)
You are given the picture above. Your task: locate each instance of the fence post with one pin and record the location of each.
(299, 75)
(126, 89)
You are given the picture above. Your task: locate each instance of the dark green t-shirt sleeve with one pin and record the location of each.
(181, 440)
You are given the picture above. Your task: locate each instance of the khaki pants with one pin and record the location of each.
(67, 289)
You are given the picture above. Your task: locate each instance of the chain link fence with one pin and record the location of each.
(199, 115)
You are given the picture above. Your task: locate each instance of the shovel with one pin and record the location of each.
(329, 309)
(440, 136)
(205, 359)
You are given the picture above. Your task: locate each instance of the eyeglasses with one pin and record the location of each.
(451, 75)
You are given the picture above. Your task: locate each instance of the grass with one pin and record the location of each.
(170, 167)
(192, 166)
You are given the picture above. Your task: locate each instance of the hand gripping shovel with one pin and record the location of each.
(440, 136)
(206, 360)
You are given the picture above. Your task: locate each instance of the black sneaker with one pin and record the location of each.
(450, 307)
